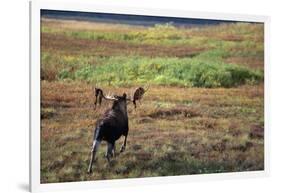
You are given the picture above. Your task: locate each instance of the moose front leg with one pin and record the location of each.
(123, 147)
(114, 150)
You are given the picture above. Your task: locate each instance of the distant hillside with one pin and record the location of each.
(128, 19)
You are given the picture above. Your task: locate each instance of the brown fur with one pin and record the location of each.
(99, 96)
(138, 94)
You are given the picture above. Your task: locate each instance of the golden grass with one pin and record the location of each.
(61, 44)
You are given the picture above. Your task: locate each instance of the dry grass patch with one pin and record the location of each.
(159, 136)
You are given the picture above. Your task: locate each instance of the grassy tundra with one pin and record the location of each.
(203, 112)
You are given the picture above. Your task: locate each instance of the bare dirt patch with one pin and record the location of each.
(256, 132)
(164, 113)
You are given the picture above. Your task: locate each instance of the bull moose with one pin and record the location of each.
(113, 124)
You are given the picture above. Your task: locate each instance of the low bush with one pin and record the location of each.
(168, 71)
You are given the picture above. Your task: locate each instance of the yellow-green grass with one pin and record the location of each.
(242, 41)
(227, 55)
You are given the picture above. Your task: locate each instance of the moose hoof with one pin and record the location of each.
(89, 171)
(122, 149)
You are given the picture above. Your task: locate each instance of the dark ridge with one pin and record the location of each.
(142, 20)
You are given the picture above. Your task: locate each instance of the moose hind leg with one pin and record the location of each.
(123, 147)
(110, 148)
(93, 154)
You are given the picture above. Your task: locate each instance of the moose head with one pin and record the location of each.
(136, 96)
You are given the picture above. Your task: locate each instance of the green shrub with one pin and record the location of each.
(84, 73)
(201, 71)
(65, 74)
(168, 71)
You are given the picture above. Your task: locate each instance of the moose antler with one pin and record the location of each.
(109, 97)
(99, 96)
(138, 94)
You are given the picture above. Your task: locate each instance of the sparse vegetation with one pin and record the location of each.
(203, 112)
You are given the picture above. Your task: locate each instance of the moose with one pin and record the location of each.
(113, 124)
